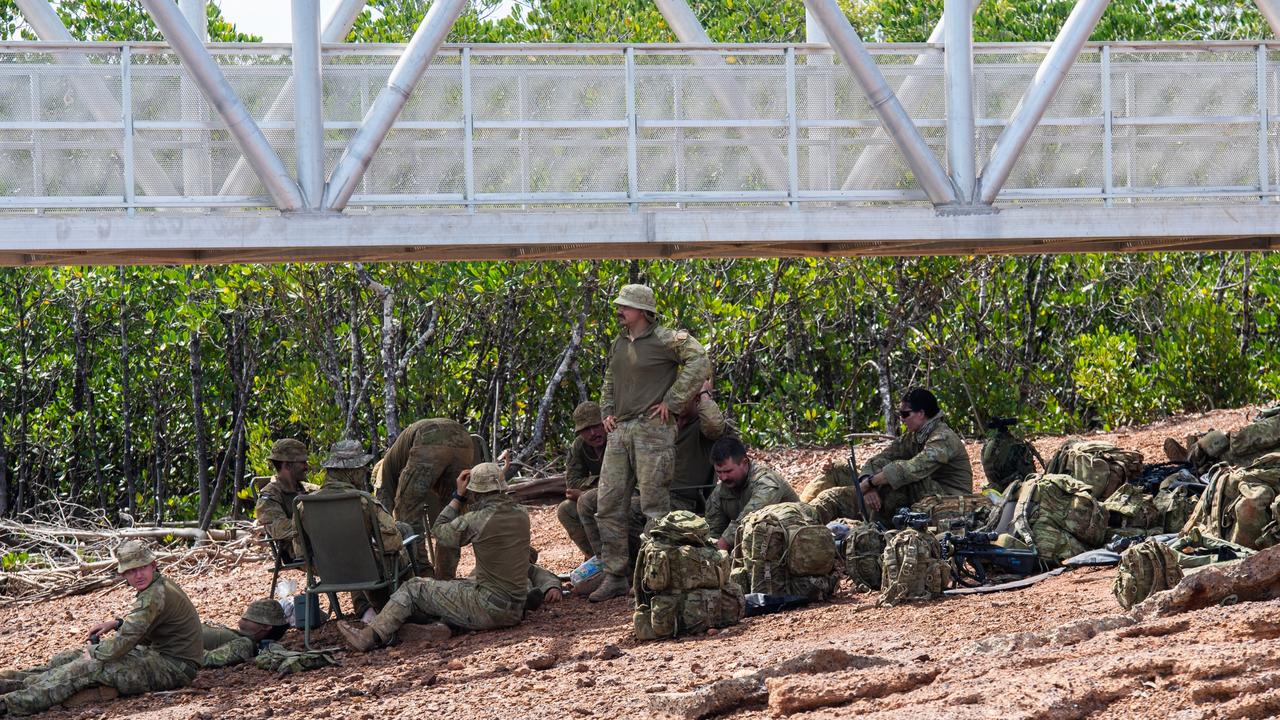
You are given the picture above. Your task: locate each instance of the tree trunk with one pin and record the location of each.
(4, 476)
(567, 357)
(197, 409)
(158, 464)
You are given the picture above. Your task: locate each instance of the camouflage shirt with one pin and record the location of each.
(224, 647)
(762, 487)
(163, 619)
(933, 460)
(498, 531)
(428, 431)
(274, 510)
(582, 467)
(659, 366)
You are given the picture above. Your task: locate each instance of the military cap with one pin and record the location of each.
(347, 454)
(133, 554)
(486, 478)
(586, 415)
(1214, 443)
(288, 450)
(639, 297)
(265, 611)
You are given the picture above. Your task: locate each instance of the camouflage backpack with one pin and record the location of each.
(912, 568)
(682, 580)
(945, 509)
(1176, 504)
(1145, 569)
(1006, 459)
(783, 549)
(861, 549)
(1056, 515)
(1100, 465)
(1241, 505)
(1129, 507)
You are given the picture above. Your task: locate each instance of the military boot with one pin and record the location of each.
(360, 639)
(1174, 450)
(613, 586)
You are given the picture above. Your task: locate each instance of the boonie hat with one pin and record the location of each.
(265, 611)
(1214, 443)
(639, 297)
(347, 454)
(133, 554)
(288, 450)
(586, 415)
(486, 478)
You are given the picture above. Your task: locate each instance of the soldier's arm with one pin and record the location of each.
(133, 626)
(695, 369)
(895, 451)
(717, 520)
(711, 418)
(272, 518)
(391, 537)
(766, 491)
(925, 463)
(542, 580)
(576, 476)
(451, 529)
(234, 652)
(606, 389)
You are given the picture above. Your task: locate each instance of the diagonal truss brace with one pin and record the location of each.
(1271, 11)
(213, 84)
(920, 158)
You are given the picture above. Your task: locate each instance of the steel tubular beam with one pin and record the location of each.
(1031, 108)
(200, 65)
(1271, 11)
(923, 163)
(197, 14)
(335, 31)
(42, 18)
(958, 33)
(813, 29)
(307, 101)
(386, 108)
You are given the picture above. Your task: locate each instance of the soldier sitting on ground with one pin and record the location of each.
(744, 486)
(156, 646)
(262, 622)
(582, 473)
(274, 509)
(1239, 447)
(498, 593)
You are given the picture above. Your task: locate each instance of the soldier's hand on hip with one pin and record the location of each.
(610, 423)
(660, 409)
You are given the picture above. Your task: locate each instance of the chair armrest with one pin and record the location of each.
(410, 540)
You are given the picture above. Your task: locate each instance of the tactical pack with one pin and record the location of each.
(1056, 515)
(682, 581)
(861, 549)
(1241, 505)
(943, 510)
(783, 549)
(912, 568)
(1145, 569)
(1131, 508)
(1100, 465)
(1006, 459)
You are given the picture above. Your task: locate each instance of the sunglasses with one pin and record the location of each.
(904, 413)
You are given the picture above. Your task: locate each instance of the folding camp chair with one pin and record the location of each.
(343, 548)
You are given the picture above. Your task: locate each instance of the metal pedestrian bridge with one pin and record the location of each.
(144, 153)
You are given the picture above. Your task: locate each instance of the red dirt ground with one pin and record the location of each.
(1219, 662)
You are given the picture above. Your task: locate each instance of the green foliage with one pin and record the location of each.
(1108, 378)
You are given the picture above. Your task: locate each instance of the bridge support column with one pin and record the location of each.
(958, 21)
(308, 110)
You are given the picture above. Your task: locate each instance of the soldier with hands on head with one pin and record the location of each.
(155, 646)
(505, 581)
(262, 622)
(699, 425)
(744, 486)
(652, 373)
(274, 509)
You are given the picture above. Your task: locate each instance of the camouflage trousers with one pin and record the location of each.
(421, 492)
(459, 603)
(640, 455)
(842, 502)
(571, 520)
(588, 512)
(142, 670)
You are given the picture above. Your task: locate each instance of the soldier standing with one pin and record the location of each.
(417, 478)
(497, 528)
(652, 373)
(582, 472)
(157, 645)
(700, 424)
(744, 487)
(274, 509)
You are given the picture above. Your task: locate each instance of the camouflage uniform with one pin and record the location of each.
(589, 513)
(835, 475)
(418, 473)
(582, 473)
(695, 477)
(659, 366)
(224, 647)
(495, 596)
(274, 508)
(762, 487)
(157, 647)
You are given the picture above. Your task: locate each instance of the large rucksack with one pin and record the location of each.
(944, 510)
(1006, 459)
(1258, 437)
(1056, 515)
(783, 549)
(912, 568)
(682, 580)
(1100, 465)
(1131, 508)
(1145, 569)
(861, 548)
(1241, 505)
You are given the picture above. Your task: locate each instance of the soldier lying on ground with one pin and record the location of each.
(157, 645)
(1238, 448)
(744, 487)
(497, 595)
(262, 622)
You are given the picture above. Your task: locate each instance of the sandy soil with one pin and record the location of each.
(1220, 662)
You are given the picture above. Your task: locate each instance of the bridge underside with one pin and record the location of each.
(189, 237)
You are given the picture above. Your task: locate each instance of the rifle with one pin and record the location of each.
(971, 554)
(918, 521)
(857, 483)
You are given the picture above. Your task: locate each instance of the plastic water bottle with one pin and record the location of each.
(586, 570)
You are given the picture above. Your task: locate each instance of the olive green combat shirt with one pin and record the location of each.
(694, 474)
(224, 647)
(932, 459)
(163, 619)
(761, 488)
(660, 365)
(498, 531)
(582, 467)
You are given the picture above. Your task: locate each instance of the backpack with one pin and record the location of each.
(1129, 507)
(1176, 504)
(1006, 459)
(782, 549)
(942, 510)
(1100, 465)
(682, 580)
(861, 550)
(912, 568)
(1241, 505)
(1145, 569)
(1056, 515)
